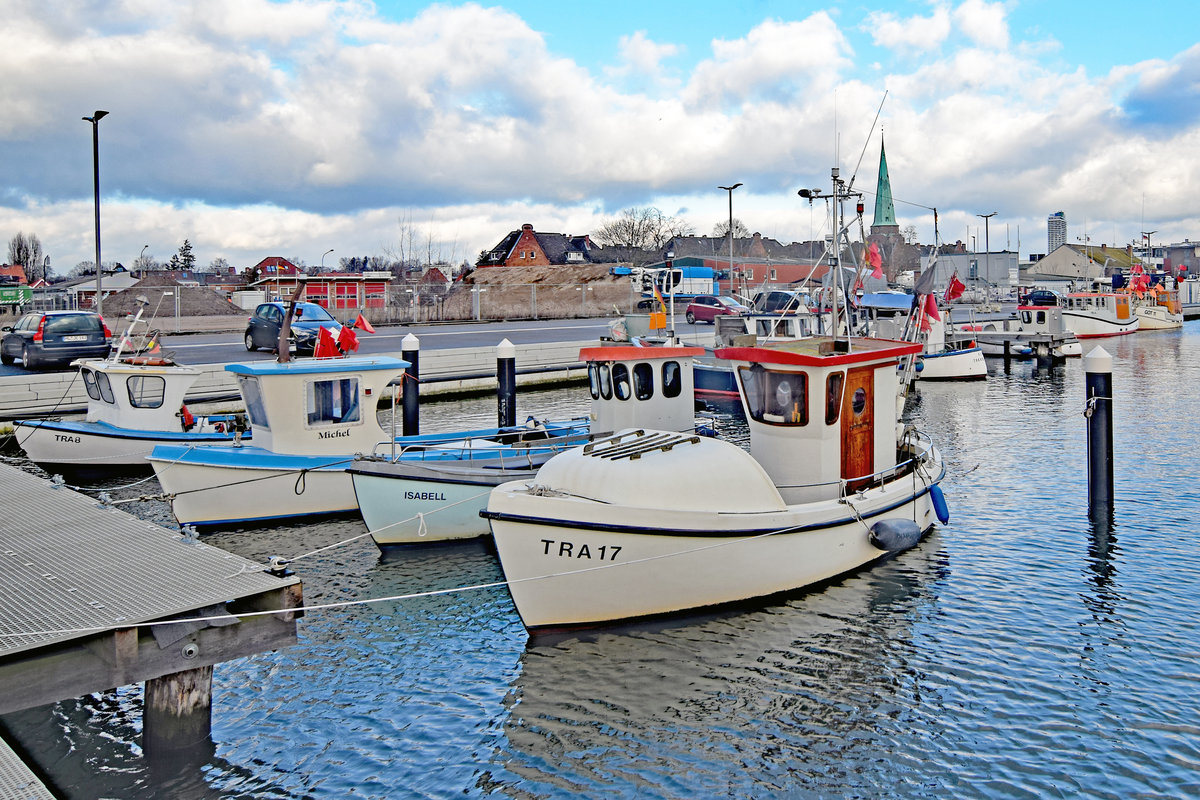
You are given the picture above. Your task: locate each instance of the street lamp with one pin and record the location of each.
(141, 262)
(730, 190)
(987, 272)
(95, 120)
(327, 252)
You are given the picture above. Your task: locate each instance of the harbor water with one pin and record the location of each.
(1021, 650)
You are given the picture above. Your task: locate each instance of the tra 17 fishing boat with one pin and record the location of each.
(651, 522)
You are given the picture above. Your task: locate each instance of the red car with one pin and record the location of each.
(707, 307)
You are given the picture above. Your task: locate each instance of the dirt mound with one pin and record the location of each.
(194, 301)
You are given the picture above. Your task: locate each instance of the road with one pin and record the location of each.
(224, 348)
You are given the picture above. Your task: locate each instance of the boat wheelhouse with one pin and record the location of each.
(134, 404)
(1091, 315)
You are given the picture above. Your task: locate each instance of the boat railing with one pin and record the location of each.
(489, 446)
(916, 444)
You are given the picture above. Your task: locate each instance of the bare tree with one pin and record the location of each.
(721, 229)
(910, 234)
(26, 251)
(640, 231)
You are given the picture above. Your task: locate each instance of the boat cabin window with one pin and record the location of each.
(672, 379)
(833, 396)
(255, 407)
(643, 381)
(106, 392)
(620, 381)
(332, 402)
(89, 383)
(774, 396)
(146, 391)
(600, 381)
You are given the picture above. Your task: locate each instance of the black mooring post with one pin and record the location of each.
(1097, 366)
(506, 376)
(410, 351)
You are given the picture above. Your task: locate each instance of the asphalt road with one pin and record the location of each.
(224, 348)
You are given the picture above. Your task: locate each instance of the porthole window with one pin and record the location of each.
(859, 404)
(620, 380)
(643, 381)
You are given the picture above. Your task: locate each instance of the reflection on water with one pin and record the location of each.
(1021, 650)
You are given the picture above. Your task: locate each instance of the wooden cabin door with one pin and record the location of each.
(858, 426)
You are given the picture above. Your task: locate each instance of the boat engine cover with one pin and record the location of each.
(693, 474)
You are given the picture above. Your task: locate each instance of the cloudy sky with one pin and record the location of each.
(256, 128)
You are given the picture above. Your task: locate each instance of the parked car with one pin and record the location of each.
(707, 307)
(55, 337)
(307, 321)
(776, 301)
(1040, 297)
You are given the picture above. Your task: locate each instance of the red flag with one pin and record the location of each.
(326, 345)
(931, 307)
(347, 342)
(186, 419)
(955, 289)
(875, 260)
(361, 323)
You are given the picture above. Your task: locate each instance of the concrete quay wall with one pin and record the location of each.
(458, 370)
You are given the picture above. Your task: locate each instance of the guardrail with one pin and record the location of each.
(458, 370)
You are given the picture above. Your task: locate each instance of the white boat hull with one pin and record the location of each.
(1156, 318)
(204, 494)
(1087, 326)
(427, 507)
(968, 364)
(91, 446)
(576, 562)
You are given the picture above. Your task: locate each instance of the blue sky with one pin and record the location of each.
(256, 128)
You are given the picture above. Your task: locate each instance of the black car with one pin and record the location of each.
(307, 321)
(55, 337)
(1040, 297)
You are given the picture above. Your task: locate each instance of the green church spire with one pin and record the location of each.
(885, 211)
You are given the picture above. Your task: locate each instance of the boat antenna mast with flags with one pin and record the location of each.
(840, 194)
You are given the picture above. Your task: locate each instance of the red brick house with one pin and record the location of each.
(528, 248)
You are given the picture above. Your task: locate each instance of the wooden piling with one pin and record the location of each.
(178, 711)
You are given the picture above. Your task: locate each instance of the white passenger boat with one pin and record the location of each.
(651, 522)
(417, 494)
(1091, 315)
(1031, 332)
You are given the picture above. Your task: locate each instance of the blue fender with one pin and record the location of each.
(939, 504)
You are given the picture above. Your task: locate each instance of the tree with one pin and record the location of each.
(639, 231)
(186, 260)
(26, 251)
(910, 234)
(721, 229)
(219, 265)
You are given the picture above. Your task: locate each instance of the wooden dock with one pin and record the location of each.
(85, 591)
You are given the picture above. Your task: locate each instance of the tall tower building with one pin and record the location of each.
(885, 210)
(1056, 231)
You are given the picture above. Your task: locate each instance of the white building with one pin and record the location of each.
(1056, 231)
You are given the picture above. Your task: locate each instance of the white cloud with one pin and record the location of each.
(914, 34)
(986, 24)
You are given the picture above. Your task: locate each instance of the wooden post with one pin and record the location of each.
(178, 711)
(1097, 366)
(410, 351)
(506, 392)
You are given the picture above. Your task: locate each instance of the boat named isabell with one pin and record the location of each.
(652, 522)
